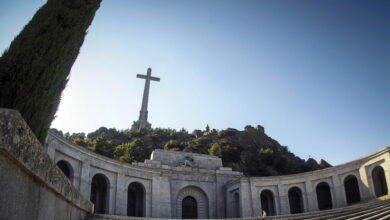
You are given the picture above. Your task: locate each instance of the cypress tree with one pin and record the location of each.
(35, 68)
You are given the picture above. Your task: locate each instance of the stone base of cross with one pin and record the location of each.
(140, 124)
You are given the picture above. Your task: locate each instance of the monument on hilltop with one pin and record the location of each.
(143, 114)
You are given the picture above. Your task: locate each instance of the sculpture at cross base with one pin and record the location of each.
(143, 116)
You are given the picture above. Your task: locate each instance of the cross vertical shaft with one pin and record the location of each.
(143, 116)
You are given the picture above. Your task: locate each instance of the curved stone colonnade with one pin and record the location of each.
(360, 180)
(170, 186)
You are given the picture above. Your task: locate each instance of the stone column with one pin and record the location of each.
(246, 198)
(283, 201)
(338, 194)
(311, 198)
(85, 182)
(161, 206)
(121, 195)
(366, 180)
(112, 195)
(386, 169)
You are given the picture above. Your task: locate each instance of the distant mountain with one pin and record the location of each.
(250, 151)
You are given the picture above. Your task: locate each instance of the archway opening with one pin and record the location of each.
(236, 205)
(267, 202)
(66, 168)
(324, 197)
(351, 188)
(136, 200)
(99, 193)
(189, 208)
(379, 179)
(295, 199)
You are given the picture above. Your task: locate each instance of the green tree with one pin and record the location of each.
(173, 145)
(137, 150)
(35, 68)
(121, 153)
(133, 151)
(103, 146)
(215, 150)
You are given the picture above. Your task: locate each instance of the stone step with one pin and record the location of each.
(362, 211)
(384, 217)
(364, 214)
(377, 209)
(370, 215)
(380, 215)
(332, 212)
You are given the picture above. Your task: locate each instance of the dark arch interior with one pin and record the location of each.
(379, 179)
(66, 168)
(352, 191)
(236, 205)
(295, 200)
(135, 200)
(324, 197)
(189, 208)
(99, 193)
(267, 202)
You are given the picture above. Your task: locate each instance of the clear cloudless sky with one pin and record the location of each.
(315, 74)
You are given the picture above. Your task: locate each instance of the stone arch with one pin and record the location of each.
(267, 201)
(379, 180)
(351, 188)
(136, 200)
(324, 197)
(201, 201)
(295, 199)
(236, 205)
(100, 189)
(66, 168)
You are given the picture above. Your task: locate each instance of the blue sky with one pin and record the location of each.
(315, 74)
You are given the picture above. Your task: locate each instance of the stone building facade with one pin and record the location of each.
(182, 185)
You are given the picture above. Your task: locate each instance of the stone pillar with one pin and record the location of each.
(112, 195)
(386, 168)
(161, 197)
(283, 201)
(121, 195)
(311, 197)
(367, 184)
(305, 200)
(85, 181)
(338, 193)
(51, 152)
(246, 198)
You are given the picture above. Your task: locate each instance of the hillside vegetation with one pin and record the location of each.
(250, 151)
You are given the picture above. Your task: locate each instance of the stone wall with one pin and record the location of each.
(164, 179)
(31, 185)
(335, 177)
(227, 193)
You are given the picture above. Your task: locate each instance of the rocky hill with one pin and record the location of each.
(250, 151)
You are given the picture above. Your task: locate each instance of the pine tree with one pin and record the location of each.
(215, 150)
(35, 68)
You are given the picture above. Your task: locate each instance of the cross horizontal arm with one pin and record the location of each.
(155, 79)
(151, 78)
(141, 76)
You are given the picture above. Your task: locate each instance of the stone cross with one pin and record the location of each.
(143, 116)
